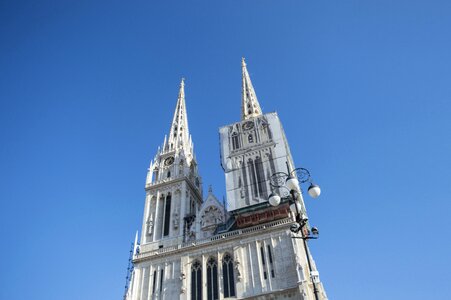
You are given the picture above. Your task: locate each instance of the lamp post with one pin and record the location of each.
(291, 181)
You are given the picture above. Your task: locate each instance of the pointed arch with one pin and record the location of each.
(228, 276)
(196, 280)
(212, 279)
(261, 180)
(251, 168)
(167, 215)
(235, 141)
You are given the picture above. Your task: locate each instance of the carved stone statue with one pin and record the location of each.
(191, 236)
(182, 279)
(149, 225)
(236, 264)
(176, 220)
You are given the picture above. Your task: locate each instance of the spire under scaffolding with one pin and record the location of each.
(249, 102)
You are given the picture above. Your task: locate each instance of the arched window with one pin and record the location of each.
(253, 178)
(235, 141)
(154, 281)
(169, 174)
(161, 279)
(265, 275)
(167, 215)
(261, 180)
(196, 281)
(271, 261)
(212, 279)
(250, 138)
(227, 275)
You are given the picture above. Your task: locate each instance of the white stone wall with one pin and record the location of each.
(290, 279)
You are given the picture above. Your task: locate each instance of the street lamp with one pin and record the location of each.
(291, 181)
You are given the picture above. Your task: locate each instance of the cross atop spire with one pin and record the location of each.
(179, 133)
(249, 102)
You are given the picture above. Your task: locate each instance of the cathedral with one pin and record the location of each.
(253, 246)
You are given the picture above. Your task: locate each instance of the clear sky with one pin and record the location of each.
(87, 93)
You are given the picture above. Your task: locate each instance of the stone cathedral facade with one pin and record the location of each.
(195, 248)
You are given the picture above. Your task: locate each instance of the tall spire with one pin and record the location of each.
(249, 103)
(179, 133)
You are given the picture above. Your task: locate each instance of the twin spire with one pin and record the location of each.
(249, 103)
(179, 132)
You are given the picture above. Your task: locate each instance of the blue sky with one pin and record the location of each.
(87, 92)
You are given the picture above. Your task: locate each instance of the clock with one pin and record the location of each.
(248, 125)
(169, 161)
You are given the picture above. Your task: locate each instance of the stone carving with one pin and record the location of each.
(191, 235)
(211, 216)
(175, 219)
(242, 189)
(149, 225)
(242, 192)
(236, 264)
(182, 279)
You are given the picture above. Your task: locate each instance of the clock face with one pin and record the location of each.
(168, 161)
(248, 125)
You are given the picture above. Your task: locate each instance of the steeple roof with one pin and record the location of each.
(249, 103)
(179, 132)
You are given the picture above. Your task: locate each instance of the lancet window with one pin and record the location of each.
(267, 261)
(167, 215)
(251, 168)
(196, 281)
(271, 264)
(235, 141)
(262, 253)
(212, 279)
(161, 279)
(261, 180)
(154, 281)
(243, 170)
(228, 278)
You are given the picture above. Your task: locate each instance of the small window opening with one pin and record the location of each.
(154, 281)
(161, 279)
